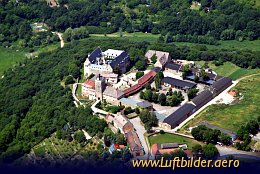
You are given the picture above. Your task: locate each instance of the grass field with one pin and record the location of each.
(232, 116)
(229, 69)
(135, 37)
(171, 138)
(9, 57)
(229, 44)
(141, 37)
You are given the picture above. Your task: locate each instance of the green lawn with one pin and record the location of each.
(9, 57)
(141, 37)
(229, 69)
(171, 138)
(243, 72)
(232, 116)
(135, 37)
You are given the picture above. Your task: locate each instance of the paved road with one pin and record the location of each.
(140, 132)
(96, 110)
(224, 151)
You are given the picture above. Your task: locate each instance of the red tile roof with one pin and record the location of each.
(132, 89)
(141, 82)
(162, 151)
(147, 77)
(155, 149)
(90, 83)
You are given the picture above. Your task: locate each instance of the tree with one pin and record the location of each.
(148, 95)
(210, 151)
(80, 137)
(141, 95)
(192, 93)
(139, 74)
(155, 97)
(69, 80)
(179, 153)
(252, 127)
(158, 78)
(154, 59)
(173, 100)
(162, 99)
(211, 135)
(162, 132)
(140, 65)
(25, 31)
(197, 149)
(241, 132)
(76, 73)
(225, 139)
(203, 74)
(198, 132)
(137, 111)
(148, 118)
(196, 79)
(186, 71)
(120, 139)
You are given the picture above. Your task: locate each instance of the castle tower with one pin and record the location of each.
(99, 87)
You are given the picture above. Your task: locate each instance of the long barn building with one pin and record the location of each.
(181, 114)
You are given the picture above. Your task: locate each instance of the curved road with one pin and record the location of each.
(225, 151)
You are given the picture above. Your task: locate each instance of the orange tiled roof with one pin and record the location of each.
(90, 83)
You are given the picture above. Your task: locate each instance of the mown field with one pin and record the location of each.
(232, 116)
(229, 69)
(11, 56)
(141, 37)
(171, 138)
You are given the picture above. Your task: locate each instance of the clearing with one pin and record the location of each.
(9, 57)
(229, 69)
(12, 55)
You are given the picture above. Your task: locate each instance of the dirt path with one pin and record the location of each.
(61, 39)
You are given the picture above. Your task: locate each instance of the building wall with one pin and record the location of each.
(111, 100)
(164, 126)
(88, 92)
(105, 69)
(112, 80)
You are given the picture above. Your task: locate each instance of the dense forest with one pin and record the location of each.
(215, 19)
